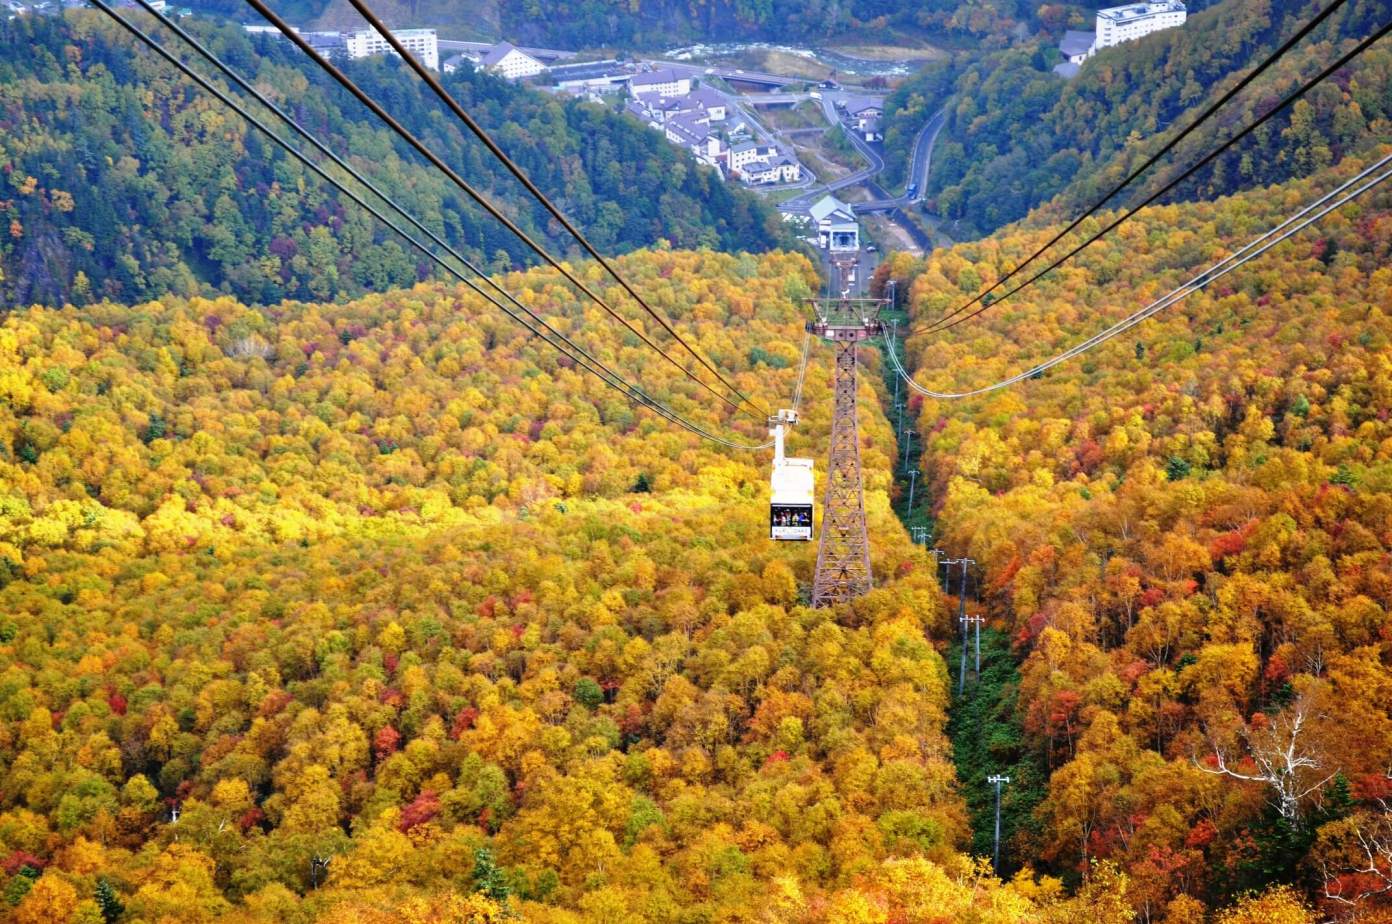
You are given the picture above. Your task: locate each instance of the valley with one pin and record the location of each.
(519, 490)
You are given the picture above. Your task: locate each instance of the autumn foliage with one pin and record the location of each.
(1186, 535)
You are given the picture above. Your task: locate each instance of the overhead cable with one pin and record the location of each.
(1155, 158)
(579, 355)
(426, 75)
(1304, 88)
(406, 135)
(1255, 248)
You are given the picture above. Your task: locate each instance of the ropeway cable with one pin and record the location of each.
(943, 324)
(610, 378)
(499, 154)
(802, 370)
(483, 201)
(1154, 158)
(1284, 230)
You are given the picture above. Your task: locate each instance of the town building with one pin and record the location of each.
(423, 44)
(837, 229)
(328, 44)
(1119, 24)
(710, 102)
(864, 115)
(1077, 46)
(779, 169)
(862, 109)
(664, 82)
(507, 60)
(742, 155)
(592, 76)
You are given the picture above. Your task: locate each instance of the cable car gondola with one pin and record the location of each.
(790, 502)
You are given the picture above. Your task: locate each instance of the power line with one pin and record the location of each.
(1283, 231)
(583, 359)
(1154, 158)
(939, 326)
(343, 80)
(433, 82)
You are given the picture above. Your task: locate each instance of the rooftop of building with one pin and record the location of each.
(653, 78)
(591, 70)
(830, 207)
(1077, 43)
(500, 51)
(1140, 10)
(856, 104)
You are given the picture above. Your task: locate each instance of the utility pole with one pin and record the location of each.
(962, 670)
(843, 551)
(976, 621)
(962, 596)
(894, 327)
(999, 780)
(945, 564)
(908, 441)
(913, 478)
(318, 866)
(962, 617)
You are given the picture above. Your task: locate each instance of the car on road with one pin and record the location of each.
(870, 248)
(913, 189)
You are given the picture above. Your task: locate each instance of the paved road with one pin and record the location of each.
(920, 164)
(874, 162)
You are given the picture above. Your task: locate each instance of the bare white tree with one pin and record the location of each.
(1369, 876)
(1282, 758)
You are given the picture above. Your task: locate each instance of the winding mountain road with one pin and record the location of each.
(920, 163)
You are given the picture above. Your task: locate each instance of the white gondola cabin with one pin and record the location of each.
(790, 502)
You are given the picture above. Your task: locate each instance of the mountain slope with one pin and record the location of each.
(387, 582)
(1018, 136)
(656, 24)
(124, 182)
(1185, 534)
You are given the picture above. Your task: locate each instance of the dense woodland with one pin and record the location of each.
(379, 611)
(1019, 135)
(122, 180)
(388, 584)
(1184, 541)
(657, 24)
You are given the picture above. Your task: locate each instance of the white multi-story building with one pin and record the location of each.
(749, 152)
(507, 60)
(664, 82)
(422, 43)
(779, 169)
(1127, 23)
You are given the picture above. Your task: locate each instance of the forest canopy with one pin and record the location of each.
(1184, 541)
(122, 180)
(1018, 136)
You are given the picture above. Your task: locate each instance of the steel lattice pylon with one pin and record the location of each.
(843, 554)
